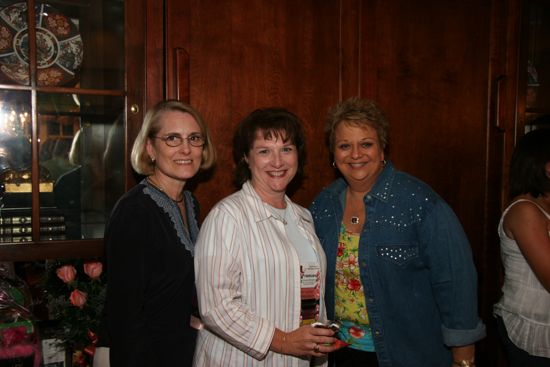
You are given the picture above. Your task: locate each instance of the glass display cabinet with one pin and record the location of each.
(62, 125)
(535, 53)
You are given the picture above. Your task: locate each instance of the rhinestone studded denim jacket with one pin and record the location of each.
(416, 269)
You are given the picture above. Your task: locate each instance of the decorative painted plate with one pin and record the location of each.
(59, 48)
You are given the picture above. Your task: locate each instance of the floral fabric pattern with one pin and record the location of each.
(350, 305)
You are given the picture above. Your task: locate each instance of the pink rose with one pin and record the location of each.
(78, 298)
(93, 269)
(66, 273)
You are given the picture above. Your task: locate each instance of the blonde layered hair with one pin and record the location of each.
(141, 162)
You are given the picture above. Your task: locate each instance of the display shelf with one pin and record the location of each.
(34, 251)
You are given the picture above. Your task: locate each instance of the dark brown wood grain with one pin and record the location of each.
(246, 55)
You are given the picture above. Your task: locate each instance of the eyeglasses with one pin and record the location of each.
(174, 140)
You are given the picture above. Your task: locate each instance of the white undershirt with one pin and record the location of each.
(303, 247)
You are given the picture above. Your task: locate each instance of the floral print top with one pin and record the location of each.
(350, 305)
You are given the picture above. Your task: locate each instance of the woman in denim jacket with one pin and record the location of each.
(400, 275)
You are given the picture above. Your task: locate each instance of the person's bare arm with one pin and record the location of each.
(528, 226)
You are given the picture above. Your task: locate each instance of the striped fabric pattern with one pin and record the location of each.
(248, 281)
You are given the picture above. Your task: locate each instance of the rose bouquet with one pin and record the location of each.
(75, 294)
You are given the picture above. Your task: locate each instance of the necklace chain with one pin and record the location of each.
(354, 219)
(155, 184)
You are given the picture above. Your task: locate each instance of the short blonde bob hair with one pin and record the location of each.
(141, 162)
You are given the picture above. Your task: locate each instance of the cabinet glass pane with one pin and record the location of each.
(78, 43)
(82, 154)
(537, 101)
(102, 31)
(15, 167)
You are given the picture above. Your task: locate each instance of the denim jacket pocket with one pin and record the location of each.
(398, 254)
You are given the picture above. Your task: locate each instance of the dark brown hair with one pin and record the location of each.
(528, 165)
(273, 123)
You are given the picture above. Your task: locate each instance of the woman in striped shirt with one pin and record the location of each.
(259, 266)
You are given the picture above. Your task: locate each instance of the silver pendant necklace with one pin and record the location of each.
(354, 220)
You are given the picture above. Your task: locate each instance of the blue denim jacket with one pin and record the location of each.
(416, 268)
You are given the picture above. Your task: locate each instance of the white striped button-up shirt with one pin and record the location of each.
(248, 281)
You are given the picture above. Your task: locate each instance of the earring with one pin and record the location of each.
(384, 162)
(333, 164)
(152, 159)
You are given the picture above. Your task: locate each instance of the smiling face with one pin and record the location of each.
(358, 155)
(273, 164)
(175, 165)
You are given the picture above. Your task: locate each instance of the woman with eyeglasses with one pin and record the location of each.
(150, 241)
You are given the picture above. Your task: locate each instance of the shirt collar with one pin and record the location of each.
(262, 212)
(381, 189)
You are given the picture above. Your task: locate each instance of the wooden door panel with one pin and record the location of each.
(244, 55)
(427, 64)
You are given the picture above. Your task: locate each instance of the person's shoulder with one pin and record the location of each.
(524, 208)
(131, 208)
(131, 199)
(230, 204)
(408, 184)
(231, 199)
(407, 179)
(134, 192)
(523, 211)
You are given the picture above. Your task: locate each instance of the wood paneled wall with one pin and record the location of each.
(430, 69)
(244, 55)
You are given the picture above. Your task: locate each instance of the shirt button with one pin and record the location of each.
(377, 332)
(371, 300)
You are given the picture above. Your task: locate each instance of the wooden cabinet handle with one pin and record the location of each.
(497, 87)
(181, 75)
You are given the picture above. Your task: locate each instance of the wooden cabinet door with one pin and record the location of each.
(436, 68)
(228, 58)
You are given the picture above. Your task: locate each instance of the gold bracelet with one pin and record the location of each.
(464, 363)
(283, 343)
